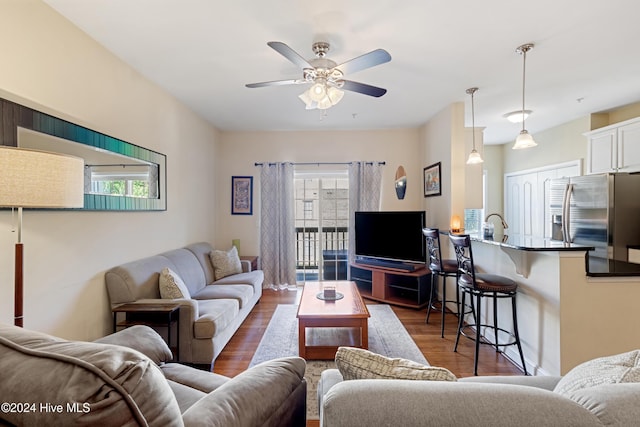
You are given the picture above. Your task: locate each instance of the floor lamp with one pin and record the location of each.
(37, 179)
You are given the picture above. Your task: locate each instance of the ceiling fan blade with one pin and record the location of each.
(290, 54)
(368, 60)
(363, 88)
(277, 83)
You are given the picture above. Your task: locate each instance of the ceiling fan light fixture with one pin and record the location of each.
(326, 76)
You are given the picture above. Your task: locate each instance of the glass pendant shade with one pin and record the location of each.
(317, 92)
(330, 96)
(335, 95)
(324, 103)
(524, 140)
(474, 158)
(309, 103)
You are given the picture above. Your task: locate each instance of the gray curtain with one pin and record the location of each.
(277, 226)
(365, 180)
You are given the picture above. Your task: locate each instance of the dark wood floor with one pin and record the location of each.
(438, 351)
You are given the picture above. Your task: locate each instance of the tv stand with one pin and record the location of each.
(388, 264)
(393, 286)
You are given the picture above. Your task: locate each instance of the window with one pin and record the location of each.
(473, 218)
(122, 180)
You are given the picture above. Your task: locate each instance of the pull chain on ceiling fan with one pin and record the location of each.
(325, 76)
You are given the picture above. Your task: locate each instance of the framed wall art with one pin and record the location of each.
(431, 176)
(241, 195)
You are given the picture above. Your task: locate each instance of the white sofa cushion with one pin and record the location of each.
(242, 293)
(356, 364)
(225, 263)
(619, 368)
(171, 285)
(215, 316)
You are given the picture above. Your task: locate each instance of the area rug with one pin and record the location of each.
(387, 336)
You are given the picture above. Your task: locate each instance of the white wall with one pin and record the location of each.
(494, 167)
(239, 151)
(444, 139)
(50, 65)
(559, 144)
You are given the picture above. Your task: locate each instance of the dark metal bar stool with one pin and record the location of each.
(482, 285)
(439, 268)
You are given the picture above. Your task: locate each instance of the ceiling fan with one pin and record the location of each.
(325, 76)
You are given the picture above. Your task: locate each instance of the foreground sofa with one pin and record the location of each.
(215, 309)
(601, 392)
(123, 380)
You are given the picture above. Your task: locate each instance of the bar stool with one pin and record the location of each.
(439, 268)
(481, 285)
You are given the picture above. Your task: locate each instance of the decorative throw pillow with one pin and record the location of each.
(225, 263)
(356, 363)
(620, 368)
(171, 285)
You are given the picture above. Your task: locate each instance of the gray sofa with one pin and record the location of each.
(123, 380)
(597, 393)
(215, 310)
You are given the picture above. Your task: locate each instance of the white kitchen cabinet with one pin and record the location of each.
(526, 210)
(614, 148)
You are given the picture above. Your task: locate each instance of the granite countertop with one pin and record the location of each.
(594, 266)
(600, 267)
(528, 243)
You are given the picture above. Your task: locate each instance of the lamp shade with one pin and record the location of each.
(474, 158)
(456, 224)
(524, 140)
(40, 179)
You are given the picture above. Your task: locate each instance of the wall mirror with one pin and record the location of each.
(401, 182)
(119, 176)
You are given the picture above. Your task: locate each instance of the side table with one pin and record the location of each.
(159, 315)
(253, 259)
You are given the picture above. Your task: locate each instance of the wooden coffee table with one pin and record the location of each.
(348, 318)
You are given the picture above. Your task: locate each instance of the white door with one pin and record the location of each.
(522, 202)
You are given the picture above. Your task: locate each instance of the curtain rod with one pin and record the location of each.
(319, 163)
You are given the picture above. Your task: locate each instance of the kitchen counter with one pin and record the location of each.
(594, 266)
(561, 308)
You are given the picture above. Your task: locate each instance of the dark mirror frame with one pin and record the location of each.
(15, 115)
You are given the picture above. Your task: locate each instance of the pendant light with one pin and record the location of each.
(474, 156)
(524, 140)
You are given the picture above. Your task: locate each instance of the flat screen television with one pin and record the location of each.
(390, 235)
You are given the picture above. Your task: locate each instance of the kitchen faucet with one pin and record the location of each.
(504, 223)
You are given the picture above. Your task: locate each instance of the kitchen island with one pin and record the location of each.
(565, 317)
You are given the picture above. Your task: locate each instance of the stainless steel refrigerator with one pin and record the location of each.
(597, 210)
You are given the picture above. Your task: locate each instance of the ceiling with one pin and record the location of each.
(204, 52)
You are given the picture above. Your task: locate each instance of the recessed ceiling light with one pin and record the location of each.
(517, 116)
